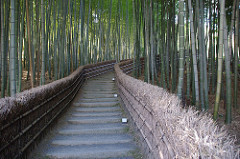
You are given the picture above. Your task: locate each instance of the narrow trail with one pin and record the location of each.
(91, 128)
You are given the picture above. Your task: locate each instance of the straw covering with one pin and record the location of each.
(167, 129)
(24, 119)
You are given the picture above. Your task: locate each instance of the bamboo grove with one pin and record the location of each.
(190, 47)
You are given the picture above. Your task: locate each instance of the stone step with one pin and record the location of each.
(98, 91)
(110, 128)
(97, 109)
(91, 151)
(96, 95)
(105, 78)
(95, 104)
(92, 128)
(87, 114)
(101, 86)
(100, 82)
(95, 120)
(98, 99)
(95, 139)
(126, 157)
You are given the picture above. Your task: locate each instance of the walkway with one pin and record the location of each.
(91, 128)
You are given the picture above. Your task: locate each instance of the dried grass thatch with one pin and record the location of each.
(33, 109)
(177, 132)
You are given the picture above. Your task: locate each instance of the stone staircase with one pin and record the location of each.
(92, 128)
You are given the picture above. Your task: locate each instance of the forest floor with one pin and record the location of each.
(233, 128)
(26, 82)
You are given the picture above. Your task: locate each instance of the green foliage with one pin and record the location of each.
(67, 34)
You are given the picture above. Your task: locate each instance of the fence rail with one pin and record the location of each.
(165, 128)
(24, 119)
(141, 114)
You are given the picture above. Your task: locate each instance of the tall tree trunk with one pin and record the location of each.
(70, 37)
(187, 55)
(200, 50)
(20, 48)
(3, 52)
(181, 48)
(95, 39)
(74, 37)
(210, 51)
(167, 48)
(228, 74)
(213, 69)
(128, 36)
(47, 38)
(220, 59)
(194, 56)
(151, 42)
(29, 45)
(204, 58)
(32, 25)
(82, 11)
(108, 32)
(5, 82)
(87, 38)
(55, 42)
(63, 39)
(146, 30)
(91, 38)
(43, 43)
(162, 41)
(119, 32)
(37, 46)
(236, 56)
(13, 49)
(174, 51)
(17, 28)
(137, 38)
(232, 28)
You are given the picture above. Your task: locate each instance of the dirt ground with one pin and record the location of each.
(26, 83)
(234, 127)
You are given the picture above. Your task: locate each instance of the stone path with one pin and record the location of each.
(92, 128)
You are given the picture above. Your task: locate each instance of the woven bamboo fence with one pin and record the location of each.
(166, 129)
